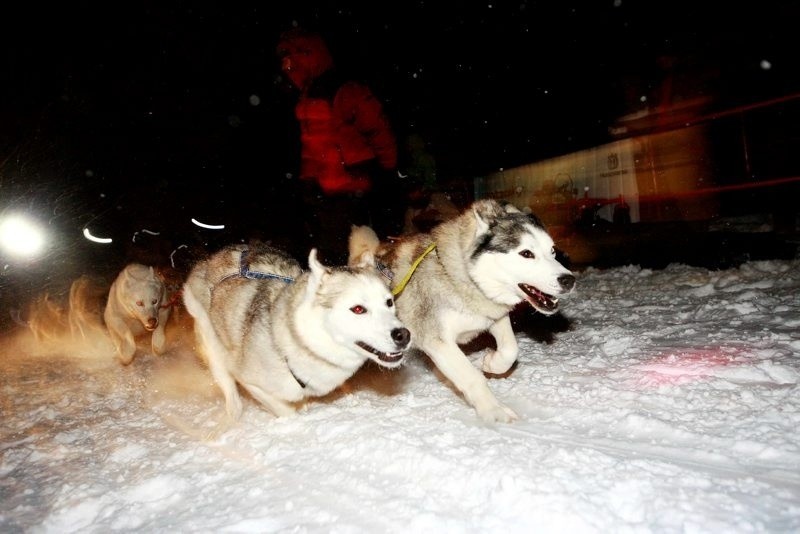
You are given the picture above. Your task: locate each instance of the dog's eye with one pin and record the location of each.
(552, 251)
(154, 302)
(358, 309)
(527, 254)
(140, 303)
(389, 303)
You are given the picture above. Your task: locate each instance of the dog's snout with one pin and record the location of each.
(567, 281)
(152, 322)
(401, 337)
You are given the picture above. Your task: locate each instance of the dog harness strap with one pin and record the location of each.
(176, 296)
(402, 284)
(245, 272)
(384, 270)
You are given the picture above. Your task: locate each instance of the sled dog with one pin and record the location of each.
(463, 278)
(135, 305)
(283, 333)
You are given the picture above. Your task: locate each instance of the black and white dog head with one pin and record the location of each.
(514, 259)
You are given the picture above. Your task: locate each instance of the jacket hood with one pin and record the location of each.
(304, 56)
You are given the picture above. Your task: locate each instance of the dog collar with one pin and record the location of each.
(176, 297)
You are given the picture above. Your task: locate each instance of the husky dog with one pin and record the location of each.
(463, 278)
(283, 333)
(135, 305)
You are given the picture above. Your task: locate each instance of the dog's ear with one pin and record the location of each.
(365, 260)
(362, 239)
(155, 275)
(481, 222)
(314, 264)
(487, 211)
(318, 274)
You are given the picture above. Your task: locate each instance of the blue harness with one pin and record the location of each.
(245, 272)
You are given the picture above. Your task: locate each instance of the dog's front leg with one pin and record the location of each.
(449, 359)
(159, 341)
(122, 338)
(499, 361)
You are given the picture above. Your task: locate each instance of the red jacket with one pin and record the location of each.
(343, 128)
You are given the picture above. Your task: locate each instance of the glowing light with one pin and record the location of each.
(21, 236)
(88, 235)
(209, 226)
(681, 367)
(172, 254)
(144, 231)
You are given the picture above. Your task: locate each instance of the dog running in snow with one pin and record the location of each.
(466, 275)
(283, 333)
(136, 304)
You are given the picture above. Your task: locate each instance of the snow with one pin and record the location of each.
(657, 401)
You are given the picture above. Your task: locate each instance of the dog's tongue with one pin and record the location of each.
(539, 300)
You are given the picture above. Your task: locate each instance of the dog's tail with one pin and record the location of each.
(362, 245)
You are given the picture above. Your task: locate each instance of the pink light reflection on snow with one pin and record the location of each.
(674, 368)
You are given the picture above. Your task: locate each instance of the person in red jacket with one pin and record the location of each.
(348, 153)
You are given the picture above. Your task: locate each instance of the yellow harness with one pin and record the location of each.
(402, 284)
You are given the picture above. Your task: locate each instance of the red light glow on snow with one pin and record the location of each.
(676, 368)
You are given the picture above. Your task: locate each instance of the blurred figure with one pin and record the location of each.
(428, 204)
(438, 207)
(348, 159)
(421, 165)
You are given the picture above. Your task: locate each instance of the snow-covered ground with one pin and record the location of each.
(658, 401)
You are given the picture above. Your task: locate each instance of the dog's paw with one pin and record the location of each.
(126, 358)
(234, 407)
(497, 413)
(159, 344)
(497, 363)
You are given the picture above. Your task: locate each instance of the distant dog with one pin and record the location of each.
(136, 304)
(283, 333)
(86, 299)
(464, 278)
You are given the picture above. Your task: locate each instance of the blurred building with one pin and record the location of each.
(675, 168)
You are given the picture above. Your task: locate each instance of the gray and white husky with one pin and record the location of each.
(283, 333)
(463, 278)
(136, 304)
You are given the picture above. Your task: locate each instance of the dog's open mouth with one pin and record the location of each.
(388, 357)
(543, 302)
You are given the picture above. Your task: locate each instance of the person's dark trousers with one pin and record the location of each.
(330, 223)
(387, 208)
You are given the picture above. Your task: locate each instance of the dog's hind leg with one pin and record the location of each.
(216, 354)
(277, 406)
(217, 357)
(499, 361)
(469, 380)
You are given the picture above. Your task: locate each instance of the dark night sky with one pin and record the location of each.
(110, 102)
